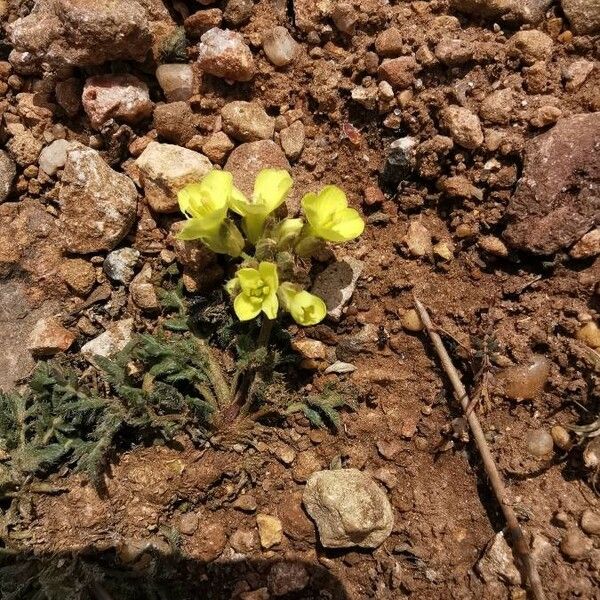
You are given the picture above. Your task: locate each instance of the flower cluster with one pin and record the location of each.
(257, 286)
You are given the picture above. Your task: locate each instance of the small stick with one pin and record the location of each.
(514, 528)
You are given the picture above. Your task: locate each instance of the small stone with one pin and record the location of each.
(119, 264)
(244, 541)
(459, 186)
(576, 73)
(575, 545)
(373, 195)
(174, 122)
(245, 503)
(349, 508)
(114, 339)
(588, 246)
(366, 97)
(200, 22)
(418, 240)
(124, 98)
(398, 72)
(498, 106)
(208, 542)
(561, 437)
(284, 453)
(589, 334)
(165, 169)
(224, 53)
(344, 17)
(178, 82)
(513, 11)
(497, 562)
(287, 578)
(453, 53)
(590, 522)
(546, 115)
(530, 46)
(493, 245)
(238, 12)
(49, 337)
(340, 367)
(247, 121)
(464, 126)
(583, 15)
(79, 275)
(279, 46)
(270, 530)
(217, 147)
(389, 448)
(142, 290)
(68, 95)
(307, 463)
(526, 382)
(539, 443)
(336, 284)
(8, 171)
(188, 524)
(399, 162)
(292, 139)
(389, 43)
(444, 250)
(411, 321)
(308, 348)
(98, 205)
(24, 148)
(54, 156)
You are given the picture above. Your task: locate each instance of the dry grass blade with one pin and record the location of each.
(516, 535)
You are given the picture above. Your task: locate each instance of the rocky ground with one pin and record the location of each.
(468, 133)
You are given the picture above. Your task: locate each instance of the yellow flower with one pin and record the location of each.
(258, 292)
(329, 217)
(205, 206)
(286, 233)
(305, 308)
(270, 189)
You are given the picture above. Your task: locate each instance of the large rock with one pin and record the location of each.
(124, 98)
(349, 508)
(8, 170)
(98, 205)
(165, 169)
(520, 11)
(558, 198)
(336, 284)
(584, 15)
(84, 33)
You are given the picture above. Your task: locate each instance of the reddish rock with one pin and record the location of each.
(79, 275)
(557, 200)
(178, 82)
(200, 22)
(217, 147)
(49, 337)
(389, 43)
(68, 95)
(398, 72)
(175, 122)
(464, 126)
(519, 11)
(124, 98)
(224, 53)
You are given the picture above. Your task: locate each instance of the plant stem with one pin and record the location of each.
(516, 535)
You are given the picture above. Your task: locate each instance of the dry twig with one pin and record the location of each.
(515, 531)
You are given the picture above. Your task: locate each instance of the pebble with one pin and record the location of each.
(178, 82)
(464, 126)
(589, 334)
(336, 284)
(270, 530)
(561, 437)
(287, 578)
(114, 339)
(238, 12)
(590, 522)
(224, 53)
(398, 72)
(24, 147)
(49, 337)
(411, 321)
(389, 43)
(344, 17)
(583, 15)
(497, 562)
(444, 250)
(498, 106)
(247, 121)
(340, 367)
(8, 171)
(526, 382)
(279, 46)
(418, 240)
(54, 156)
(519, 11)
(306, 464)
(188, 524)
(98, 205)
(312, 349)
(68, 95)
(119, 264)
(399, 162)
(200, 22)
(142, 290)
(78, 274)
(292, 139)
(174, 122)
(245, 503)
(165, 169)
(389, 448)
(124, 98)
(454, 53)
(349, 508)
(493, 245)
(530, 46)
(244, 540)
(217, 147)
(576, 73)
(591, 454)
(539, 443)
(209, 542)
(545, 115)
(588, 246)
(575, 545)
(459, 186)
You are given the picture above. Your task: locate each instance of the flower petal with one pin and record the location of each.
(246, 307)
(307, 309)
(186, 197)
(349, 226)
(270, 305)
(219, 185)
(268, 273)
(249, 279)
(193, 229)
(238, 203)
(271, 187)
